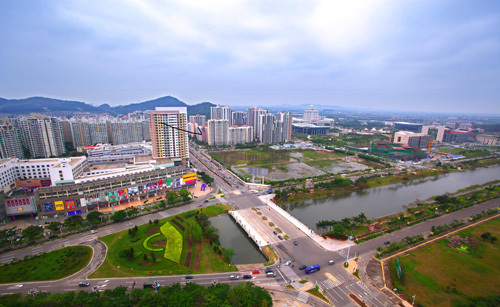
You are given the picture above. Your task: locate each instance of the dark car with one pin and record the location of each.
(269, 270)
(247, 276)
(280, 237)
(189, 277)
(302, 267)
(295, 243)
(31, 243)
(83, 284)
(206, 201)
(275, 232)
(52, 236)
(387, 242)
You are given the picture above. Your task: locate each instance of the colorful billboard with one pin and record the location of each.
(48, 207)
(59, 205)
(189, 178)
(70, 204)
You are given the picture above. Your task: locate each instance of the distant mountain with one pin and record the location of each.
(49, 105)
(42, 105)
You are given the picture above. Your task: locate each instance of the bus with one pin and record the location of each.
(312, 269)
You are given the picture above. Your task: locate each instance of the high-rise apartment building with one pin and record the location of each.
(238, 118)
(42, 135)
(199, 119)
(218, 132)
(220, 112)
(267, 128)
(240, 135)
(10, 142)
(254, 119)
(283, 127)
(168, 133)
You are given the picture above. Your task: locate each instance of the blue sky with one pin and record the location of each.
(422, 55)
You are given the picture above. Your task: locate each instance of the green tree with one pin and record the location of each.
(54, 226)
(73, 220)
(119, 216)
(31, 232)
(132, 212)
(228, 253)
(94, 217)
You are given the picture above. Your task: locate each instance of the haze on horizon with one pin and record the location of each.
(421, 55)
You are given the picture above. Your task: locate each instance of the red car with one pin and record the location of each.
(255, 272)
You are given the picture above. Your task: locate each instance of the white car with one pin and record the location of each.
(288, 262)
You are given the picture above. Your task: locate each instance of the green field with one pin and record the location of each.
(439, 274)
(194, 257)
(466, 152)
(47, 266)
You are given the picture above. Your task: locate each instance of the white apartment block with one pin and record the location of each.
(238, 118)
(240, 135)
(201, 120)
(168, 133)
(218, 132)
(220, 112)
(10, 142)
(42, 135)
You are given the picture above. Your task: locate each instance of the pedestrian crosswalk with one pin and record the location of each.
(303, 297)
(363, 286)
(7, 257)
(328, 284)
(37, 250)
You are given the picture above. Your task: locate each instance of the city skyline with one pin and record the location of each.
(377, 55)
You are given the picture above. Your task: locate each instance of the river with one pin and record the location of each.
(232, 236)
(385, 200)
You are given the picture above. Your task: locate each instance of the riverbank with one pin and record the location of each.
(298, 195)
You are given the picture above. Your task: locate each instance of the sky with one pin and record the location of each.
(421, 55)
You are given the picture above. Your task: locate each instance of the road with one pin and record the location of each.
(337, 282)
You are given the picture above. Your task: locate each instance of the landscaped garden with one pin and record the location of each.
(47, 266)
(458, 271)
(181, 244)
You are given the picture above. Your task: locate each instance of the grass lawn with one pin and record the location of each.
(47, 266)
(438, 274)
(115, 265)
(173, 249)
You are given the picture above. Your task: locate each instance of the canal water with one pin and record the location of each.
(232, 236)
(381, 201)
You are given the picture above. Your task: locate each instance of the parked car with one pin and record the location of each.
(205, 201)
(295, 243)
(280, 237)
(288, 262)
(31, 242)
(387, 242)
(302, 267)
(247, 276)
(275, 232)
(83, 284)
(255, 272)
(269, 270)
(189, 277)
(52, 236)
